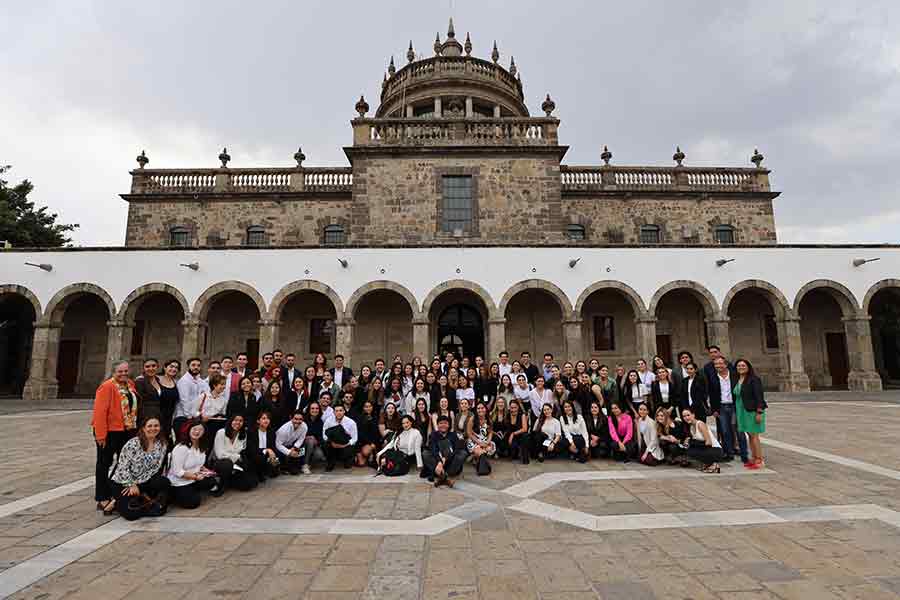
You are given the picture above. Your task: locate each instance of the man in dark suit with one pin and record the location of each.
(339, 372)
(721, 403)
(679, 372)
(289, 372)
(693, 393)
(709, 369)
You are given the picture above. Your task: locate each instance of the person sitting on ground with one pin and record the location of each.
(340, 436)
(598, 428)
(621, 433)
(671, 436)
(649, 452)
(261, 448)
(575, 433)
(704, 447)
(479, 439)
(314, 445)
(289, 440)
(409, 442)
(500, 427)
(137, 484)
(188, 473)
(445, 456)
(546, 434)
(389, 422)
(229, 460)
(367, 427)
(517, 436)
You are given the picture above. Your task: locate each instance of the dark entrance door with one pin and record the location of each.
(836, 348)
(663, 349)
(67, 367)
(461, 331)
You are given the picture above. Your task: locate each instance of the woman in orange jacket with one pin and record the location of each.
(114, 423)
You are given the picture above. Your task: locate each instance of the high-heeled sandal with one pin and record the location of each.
(714, 468)
(109, 507)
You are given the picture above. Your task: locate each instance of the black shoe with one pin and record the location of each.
(329, 467)
(217, 491)
(423, 473)
(540, 458)
(430, 479)
(582, 459)
(348, 465)
(727, 458)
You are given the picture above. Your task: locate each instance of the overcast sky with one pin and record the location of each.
(87, 85)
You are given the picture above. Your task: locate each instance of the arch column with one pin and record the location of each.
(717, 332)
(268, 335)
(42, 385)
(421, 330)
(343, 339)
(118, 337)
(572, 336)
(496, 341)
(645, 330)
(793, 376)
(190, 340)
(863, 376)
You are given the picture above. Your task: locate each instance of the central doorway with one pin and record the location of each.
(461, 331)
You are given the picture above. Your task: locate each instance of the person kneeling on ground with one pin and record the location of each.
(229, 456)
(704, 447)
(621, 433)
(575, 433)
(649, 451)
(188, 473)
(289, 441)
(340, 435)
(445, 456)
(408, 444)
(137, 484)
(546, 435)
(261, 450)
(479, 442)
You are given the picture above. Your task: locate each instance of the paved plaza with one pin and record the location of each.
(821, 522)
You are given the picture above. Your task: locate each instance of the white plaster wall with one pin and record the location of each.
(420, 270)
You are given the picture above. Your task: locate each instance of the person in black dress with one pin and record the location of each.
(369, 436)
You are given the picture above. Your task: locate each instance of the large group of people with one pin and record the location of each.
(171, 437)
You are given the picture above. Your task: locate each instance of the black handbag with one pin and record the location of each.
(395, 463)
(338, 435)
(483, 467)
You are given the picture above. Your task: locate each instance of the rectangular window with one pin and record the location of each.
(252, 354)
(137, 338)
(256, 236)
(457, 203)
(604, 334)
(320, 335)
(770, 326)
(180, 237)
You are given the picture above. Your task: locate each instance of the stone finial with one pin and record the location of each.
(548, 105)
(468, 45)
(384, 81)
(410, 54)
(142, 159)
(451, 33)
(606, 156)
(495, 54)
(437, 44)
(512, 66)
(224, 157)
(678, 157)
(519, 77)
(362, 107)
(299, 157)
(757, 158)
(391, 68)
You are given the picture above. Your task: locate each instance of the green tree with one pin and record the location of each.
(24, 226)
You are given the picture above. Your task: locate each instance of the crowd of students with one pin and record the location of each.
(168, 438)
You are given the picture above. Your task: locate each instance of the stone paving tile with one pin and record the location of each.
(399, 587)
(339, 579)
(624, 590)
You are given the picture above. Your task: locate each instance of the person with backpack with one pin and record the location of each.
(403, 451)
(446, 454)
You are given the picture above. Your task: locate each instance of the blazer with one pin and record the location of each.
(288, 383)
(108, 408)
(149, 398)
(346, 374)
(253, 439)
(250, 408)
(656, 395)
(752, 395)
(714, 389)
(699, 399)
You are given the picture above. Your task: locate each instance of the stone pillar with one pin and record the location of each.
(118, 342)
(42, 385)
(470, 111)
(496, 339)
(437, 108)
(717, 332)
(268, 336)
(646, 337)
(409, 111)
(793, 377)
(421, 330)
(572, 336)
(343, 340)
(496, 111)
(192, 336)
(863, 377)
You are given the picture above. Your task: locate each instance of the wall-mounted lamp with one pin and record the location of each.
(574, 262)
(41, 266)
(858, 262)
(723, 261)
(194, 266)
(344, 262)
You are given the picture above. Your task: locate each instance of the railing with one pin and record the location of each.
(455, 132)
(450, 66)
(619, 178)
(264, 180)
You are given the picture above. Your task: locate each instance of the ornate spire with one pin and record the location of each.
(548, 105)
(451, 33)
(678, 157)
(468, 45)
(299, 157)
(756, 159)
(362, 107)
(512, 66)
(142, 159)
(606, 156)
(224, 157)
(437, 44)
(495, 54)
(410, 54)
(391, 68)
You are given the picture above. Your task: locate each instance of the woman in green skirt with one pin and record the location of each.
(750, 408)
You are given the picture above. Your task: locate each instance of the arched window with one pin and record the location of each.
(256, 235)
(575, 232)
(650, 234)
(179, 237)
(334, 235)
(724, 234)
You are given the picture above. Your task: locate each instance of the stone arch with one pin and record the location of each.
(25, 293)
(707, 300)
(774, 295)
(284, 294)
(461, 284)
(204, 302)
(565, 305)
(57, 305)
(637, 303)
(877, 287)
(843, 296)
(353, 302)
(133, 301)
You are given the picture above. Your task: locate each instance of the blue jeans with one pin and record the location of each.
(727, 430)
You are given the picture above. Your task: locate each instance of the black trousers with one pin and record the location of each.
(520, 447)
(239, 479)
(538, 448)
(502, 446)
(114, 442)
(335, 455)
(601, 450)
(262, 468)
(580, 445)
(191, 495)
(129, 507)
(629, 453)
(291, 464)
(453, 465)
(672, 450)
(705, 455)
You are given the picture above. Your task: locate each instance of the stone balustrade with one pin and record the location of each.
(456, 132)
(450, 66)
(224, 180)
(621, 178)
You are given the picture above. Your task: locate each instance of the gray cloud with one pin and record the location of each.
(813, 84)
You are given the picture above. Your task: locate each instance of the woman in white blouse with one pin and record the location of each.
(214, 406)
(464, 390)
(187, 473)
(575, 431)
(547, 434)
(409, 442)
(539, 396)
(649, 451)
(229, 461)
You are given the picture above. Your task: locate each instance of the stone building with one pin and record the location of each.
(457, 225)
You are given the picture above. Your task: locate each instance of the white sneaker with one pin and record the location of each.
(305, 470)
